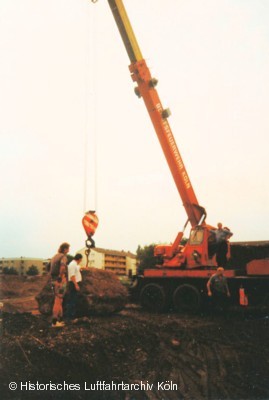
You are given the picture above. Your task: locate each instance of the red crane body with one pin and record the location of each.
(181, 277)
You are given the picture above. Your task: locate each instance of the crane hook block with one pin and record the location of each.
(90, 222)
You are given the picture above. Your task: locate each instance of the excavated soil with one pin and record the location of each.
(206, 356)
(101, 293)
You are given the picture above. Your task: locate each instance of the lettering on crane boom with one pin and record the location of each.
(174, 149)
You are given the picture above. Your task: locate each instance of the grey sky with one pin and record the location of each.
(64, 84)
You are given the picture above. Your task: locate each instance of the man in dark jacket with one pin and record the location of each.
(58, 267)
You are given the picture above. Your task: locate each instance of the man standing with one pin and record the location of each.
(59, 292)
(74, 282)
(221, 245)
(58, 263)
(58, 267)
(217, 288)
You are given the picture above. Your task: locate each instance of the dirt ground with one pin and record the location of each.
(17, 293)
(205, 356)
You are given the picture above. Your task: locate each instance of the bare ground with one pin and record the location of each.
(206, 356)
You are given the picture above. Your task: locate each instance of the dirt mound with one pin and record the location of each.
(101, 293)
(207, 357)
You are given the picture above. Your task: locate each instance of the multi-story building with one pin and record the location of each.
(119, 262)
(22, 264)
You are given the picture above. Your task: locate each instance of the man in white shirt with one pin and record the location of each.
(74, 281)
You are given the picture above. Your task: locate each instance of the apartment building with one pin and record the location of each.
(118, 262)
(22, 264)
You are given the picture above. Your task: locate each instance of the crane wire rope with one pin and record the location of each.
(89, 78)
(90, 129)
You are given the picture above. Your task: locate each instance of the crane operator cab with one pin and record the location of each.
(200, 251)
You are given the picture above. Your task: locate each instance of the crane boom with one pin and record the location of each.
(146, 89)
(179, 277)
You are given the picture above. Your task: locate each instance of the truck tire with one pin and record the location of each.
(152, 298)
(186, 298)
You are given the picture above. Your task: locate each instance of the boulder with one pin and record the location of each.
(101, 294)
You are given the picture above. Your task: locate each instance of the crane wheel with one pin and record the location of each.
(152, 298)
(186, 298)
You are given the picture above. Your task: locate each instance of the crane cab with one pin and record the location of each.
(199, 252)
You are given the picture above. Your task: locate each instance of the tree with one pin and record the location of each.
(10, 271)
(33, 270)
(146, 258)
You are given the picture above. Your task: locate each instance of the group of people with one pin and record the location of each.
(66, 277)
(66, 283)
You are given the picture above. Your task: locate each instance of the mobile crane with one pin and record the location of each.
(181, 277)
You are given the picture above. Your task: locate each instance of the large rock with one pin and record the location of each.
(101, 293)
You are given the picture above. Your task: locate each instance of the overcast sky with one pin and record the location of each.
(65, 88)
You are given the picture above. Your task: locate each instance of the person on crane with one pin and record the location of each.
(221, 234)
(220, 244)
